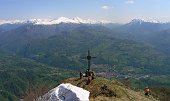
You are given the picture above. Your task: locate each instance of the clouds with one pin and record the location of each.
(106, 7)
(130, 2)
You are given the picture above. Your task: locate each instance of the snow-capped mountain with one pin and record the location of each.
(75, 20)
(140, 21)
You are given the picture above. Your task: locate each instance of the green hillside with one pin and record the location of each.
(17, 75)
(69, 49)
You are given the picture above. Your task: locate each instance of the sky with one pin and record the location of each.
(110, 10)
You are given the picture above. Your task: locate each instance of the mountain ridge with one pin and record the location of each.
(75, 20)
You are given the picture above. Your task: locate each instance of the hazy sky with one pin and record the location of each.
(112, 10)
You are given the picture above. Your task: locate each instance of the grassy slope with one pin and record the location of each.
(105, 90)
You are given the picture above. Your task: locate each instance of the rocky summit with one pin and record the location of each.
(102, 89)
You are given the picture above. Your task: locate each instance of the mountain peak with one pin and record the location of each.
(104, 90)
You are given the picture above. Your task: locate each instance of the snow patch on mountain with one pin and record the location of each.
(75, 20)
(66, 92)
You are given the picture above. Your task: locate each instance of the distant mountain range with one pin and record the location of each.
(75, 20)
(6, 25)
(147, 31)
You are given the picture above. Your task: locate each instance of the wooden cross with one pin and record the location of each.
(89, 60)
